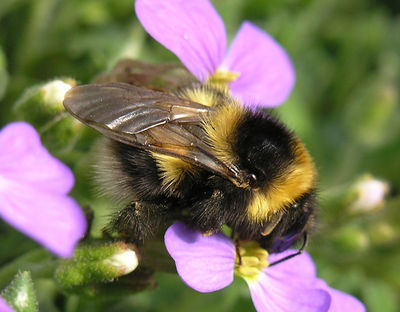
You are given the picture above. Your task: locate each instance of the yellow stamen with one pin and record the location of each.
(248, 271)
(251, 261)
(222, 77)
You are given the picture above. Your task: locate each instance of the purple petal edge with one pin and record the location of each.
(4, 307)
(204, 263)
(33, 187)
(55, 221)
(192, 29)
(23, 158)
(341, 302)
(266, 74)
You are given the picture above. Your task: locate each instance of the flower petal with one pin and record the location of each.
(191, 29)
(266, 75)
(4, 307)
(24, 159)
(341, 302)
(54, 220)
(270, 294)
(289, 286)
(204, 263)
(290, 267)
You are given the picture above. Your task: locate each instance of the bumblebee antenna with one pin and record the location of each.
(299, 252)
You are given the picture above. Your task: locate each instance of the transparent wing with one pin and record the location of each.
(159, 77)
(155, 121)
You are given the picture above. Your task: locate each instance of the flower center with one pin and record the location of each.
(222, 77)
(251, 262)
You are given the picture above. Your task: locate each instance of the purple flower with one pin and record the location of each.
(4, 307)
(209, 263)
(33, 188)
(256, 67)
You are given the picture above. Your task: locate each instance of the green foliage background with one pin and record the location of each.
(345, 106)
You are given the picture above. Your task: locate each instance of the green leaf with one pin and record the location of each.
(20, 294)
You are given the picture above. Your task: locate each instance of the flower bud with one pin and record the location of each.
(42, 106)
(369, 194)
(124, 261)
(98, 263)
(53, 93)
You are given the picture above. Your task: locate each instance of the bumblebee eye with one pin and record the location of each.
(252, 180)
(295, 205)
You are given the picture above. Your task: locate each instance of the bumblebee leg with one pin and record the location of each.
(237, 250)
(207, 214)
(106, 233)
(138, 221)
(299, 252)
(89, 214)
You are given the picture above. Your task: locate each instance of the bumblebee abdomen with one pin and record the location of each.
(127, 173)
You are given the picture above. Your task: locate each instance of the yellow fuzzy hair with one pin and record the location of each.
(206, 95)
(172, 169)
(219, 128)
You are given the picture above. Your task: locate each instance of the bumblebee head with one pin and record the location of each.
(283, 175)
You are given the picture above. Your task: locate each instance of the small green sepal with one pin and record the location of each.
(20, 293)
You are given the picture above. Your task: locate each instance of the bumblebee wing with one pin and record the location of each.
(124, 108)
(151, 76)
(155, 121)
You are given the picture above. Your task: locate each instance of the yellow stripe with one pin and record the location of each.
(295, 181)
(172, 170)
(220, 130)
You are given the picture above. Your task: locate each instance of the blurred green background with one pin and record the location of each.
(345, 107)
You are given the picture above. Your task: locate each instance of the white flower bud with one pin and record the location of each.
(370, 194)
(54, 91)
(125, 260)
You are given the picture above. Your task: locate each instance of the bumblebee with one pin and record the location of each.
(201, 157)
